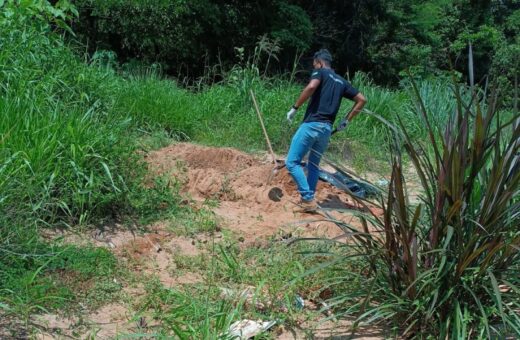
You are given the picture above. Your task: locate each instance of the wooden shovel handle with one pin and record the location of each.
(263, 127)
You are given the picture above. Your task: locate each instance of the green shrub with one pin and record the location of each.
(447, 266)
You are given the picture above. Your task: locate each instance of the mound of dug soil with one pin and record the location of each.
(225, 174)
(254, 200)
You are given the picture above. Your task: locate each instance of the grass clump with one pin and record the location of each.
(37, 276)
(155, 104)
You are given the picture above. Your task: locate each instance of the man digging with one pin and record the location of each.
(326, 89)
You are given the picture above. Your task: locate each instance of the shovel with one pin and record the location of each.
(278, 163)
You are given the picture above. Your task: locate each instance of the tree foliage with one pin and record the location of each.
(186, 36)
(380, 37)
(385, 37)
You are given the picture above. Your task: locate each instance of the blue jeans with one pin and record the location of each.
(313, 137)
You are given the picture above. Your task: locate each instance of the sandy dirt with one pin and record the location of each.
(240, 184)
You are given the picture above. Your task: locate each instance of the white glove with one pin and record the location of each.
(291, 114)
(342, 125)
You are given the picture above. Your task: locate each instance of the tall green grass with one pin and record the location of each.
(65, 159)
(55, 136)
(223, 114)
(68, 129)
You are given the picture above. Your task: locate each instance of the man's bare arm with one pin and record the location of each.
(359, 103)
(307, 92)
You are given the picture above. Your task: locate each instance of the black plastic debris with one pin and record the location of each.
(347, 183)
